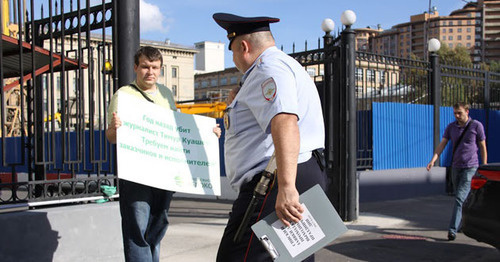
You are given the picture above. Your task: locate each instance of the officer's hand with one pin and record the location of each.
(115, 122)
(217, 131)
(288, 207)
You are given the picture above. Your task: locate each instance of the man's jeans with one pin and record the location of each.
(144, 212)
(461, 178)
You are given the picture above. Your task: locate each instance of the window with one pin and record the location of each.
(204, 83)
(311, 71)
(450, 37)
(459, 37)
(468, 37)
(459, 22)
(469, 22)
(469, 30)
(468, 45)
(451, 23)
(450, 30)
(234, 80)
(174, 90)
(444, 37)
(359, 74)
(213, 82)
(382, 77)
(197, 85)
(459, 30)
(223, 81)
(174, 72)
(162, 71)
(450, 45)
(370, 75)
(444, 30)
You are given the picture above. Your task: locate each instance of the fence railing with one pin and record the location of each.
(54, 100)
(381, 78)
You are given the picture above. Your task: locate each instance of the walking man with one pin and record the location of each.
(466, 135)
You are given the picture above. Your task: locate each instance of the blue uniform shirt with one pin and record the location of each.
(274, 84)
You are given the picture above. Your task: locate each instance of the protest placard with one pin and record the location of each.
(167, 149)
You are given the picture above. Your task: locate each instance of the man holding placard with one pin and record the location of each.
(144, 209)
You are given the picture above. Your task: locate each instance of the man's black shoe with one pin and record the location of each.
(451, 236)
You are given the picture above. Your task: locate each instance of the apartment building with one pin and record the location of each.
(215, 86)
(476, 27)
(490, 18)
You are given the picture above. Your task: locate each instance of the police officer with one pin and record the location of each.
(276, 109)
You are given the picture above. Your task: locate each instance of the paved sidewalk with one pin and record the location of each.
(400, 230)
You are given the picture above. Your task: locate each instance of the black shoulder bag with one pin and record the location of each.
(455, 146)
(142, 93)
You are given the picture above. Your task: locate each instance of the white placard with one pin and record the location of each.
(167, 149)
(299, 236)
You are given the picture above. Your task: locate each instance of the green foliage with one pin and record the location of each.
(495, 66)
(459, 56)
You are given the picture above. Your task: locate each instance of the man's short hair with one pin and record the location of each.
(463, 105)
(151, 53)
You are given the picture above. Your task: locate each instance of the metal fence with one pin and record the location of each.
(381, 78)
(54, 98)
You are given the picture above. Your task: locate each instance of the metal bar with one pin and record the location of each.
(128, 39)
(62, 93)
(351, 115)
(435, 85)
(2, 97)
(75, 14)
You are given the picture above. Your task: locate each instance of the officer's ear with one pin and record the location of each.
(245, 46)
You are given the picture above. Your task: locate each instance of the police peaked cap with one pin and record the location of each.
(238, 25)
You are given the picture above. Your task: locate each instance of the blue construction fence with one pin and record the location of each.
(100, 157)
(403, 134)
(87, 161)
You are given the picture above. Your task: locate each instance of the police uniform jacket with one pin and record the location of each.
(274, 84)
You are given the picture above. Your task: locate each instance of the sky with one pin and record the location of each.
(187, 22)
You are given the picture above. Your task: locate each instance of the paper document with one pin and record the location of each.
(319, 226)
(299, 236)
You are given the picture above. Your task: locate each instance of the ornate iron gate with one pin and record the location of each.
(59, 64)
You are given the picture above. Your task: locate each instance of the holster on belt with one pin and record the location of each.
(319, 154)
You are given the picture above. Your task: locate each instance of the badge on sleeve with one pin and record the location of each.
(269, 89)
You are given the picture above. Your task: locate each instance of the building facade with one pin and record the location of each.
(476, 27)
(215, 86)
(177, 73)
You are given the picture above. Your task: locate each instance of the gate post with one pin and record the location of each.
(435, 85)
(349, 157)
(331, 134)
(128, 39)
(487, 102)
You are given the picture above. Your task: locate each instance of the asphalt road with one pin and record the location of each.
(400, 230)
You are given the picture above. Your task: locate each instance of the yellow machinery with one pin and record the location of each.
(214, 109)
(5, 17)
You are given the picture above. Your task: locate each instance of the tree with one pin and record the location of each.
(495, 66)
(459, 56)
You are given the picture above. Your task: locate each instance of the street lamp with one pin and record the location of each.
(348, 18)
(328, 25)
(434, 45)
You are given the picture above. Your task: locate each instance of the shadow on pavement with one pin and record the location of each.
(412, 248)
(27, 236)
